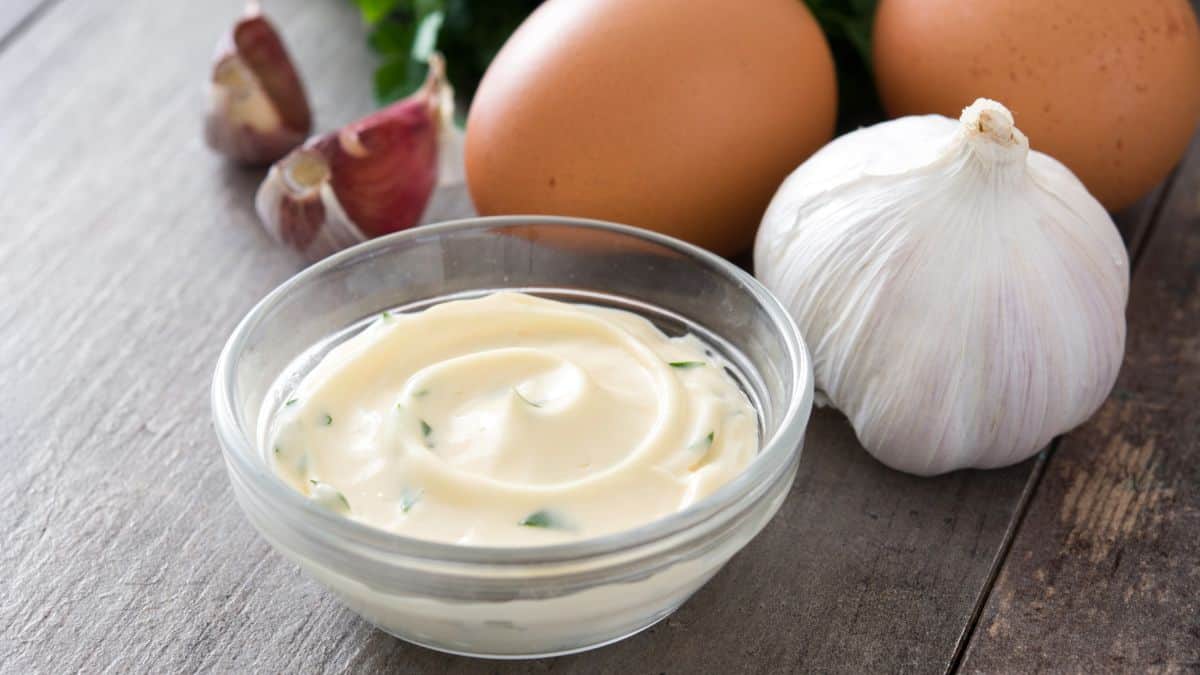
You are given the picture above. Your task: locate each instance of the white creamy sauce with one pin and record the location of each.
(511, 420)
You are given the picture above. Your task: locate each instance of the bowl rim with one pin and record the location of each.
(775, 455)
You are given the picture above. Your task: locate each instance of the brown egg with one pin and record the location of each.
(1109, 87)
(681, 116)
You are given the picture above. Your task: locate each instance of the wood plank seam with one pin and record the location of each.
(1137, 245)
(1010, 536)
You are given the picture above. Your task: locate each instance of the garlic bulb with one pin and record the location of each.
(962, 296)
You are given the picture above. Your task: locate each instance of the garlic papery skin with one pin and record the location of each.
(396, 168)
(963, 296)
(257, 108)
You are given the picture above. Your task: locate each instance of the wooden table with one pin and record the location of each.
(128, 252)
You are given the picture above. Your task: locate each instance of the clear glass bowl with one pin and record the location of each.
(515, 602)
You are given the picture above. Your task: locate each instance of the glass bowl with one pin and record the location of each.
(514, 602)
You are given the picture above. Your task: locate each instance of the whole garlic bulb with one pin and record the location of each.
(962, 296)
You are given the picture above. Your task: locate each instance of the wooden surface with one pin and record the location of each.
(1104, 574)
(128, 252)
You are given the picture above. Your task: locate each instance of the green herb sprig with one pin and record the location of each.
(469, 33)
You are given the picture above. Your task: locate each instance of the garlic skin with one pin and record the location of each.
(963, 297)
(396, 168)
(257, 108)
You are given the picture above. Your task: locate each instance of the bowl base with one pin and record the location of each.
(651, 621)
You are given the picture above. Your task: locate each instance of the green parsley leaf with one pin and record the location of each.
(373, 11)
(685, 365)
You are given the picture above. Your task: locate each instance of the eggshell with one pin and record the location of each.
(1109, 87)
(681, 116)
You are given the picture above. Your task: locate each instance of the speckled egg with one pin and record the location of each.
(1109, 87)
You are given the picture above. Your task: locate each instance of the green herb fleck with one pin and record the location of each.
(425, 429)
(523, 398)
(704, 443)
(703, 447)
(685, 365)
(291, 401)
(340, 505)
(327, 420)
(420, 393)
(278, 450)
(385, 315)
(541, 518)
(409, 498)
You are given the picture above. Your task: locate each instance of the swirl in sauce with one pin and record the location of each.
(512, 420)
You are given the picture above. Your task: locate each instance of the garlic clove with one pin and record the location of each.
(257, 108)
(376, 175)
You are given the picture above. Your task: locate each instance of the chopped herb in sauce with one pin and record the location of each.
(523, 398)
(291, 401)
(543, 518)
(420, 393)
(409, 498)
(685, 365)
(320, 492)
(426, 430)
(385, 315)
(327, 420)
(703, 446)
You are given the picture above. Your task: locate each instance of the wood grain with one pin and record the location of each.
(127, 254)
(17, 14)
(1105, 572)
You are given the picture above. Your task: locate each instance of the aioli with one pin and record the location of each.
(512, 420)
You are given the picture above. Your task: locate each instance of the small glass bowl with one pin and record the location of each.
(515, 602)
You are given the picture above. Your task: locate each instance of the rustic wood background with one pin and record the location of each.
(128, 252)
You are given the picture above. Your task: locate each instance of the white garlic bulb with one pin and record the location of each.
(963, 297)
